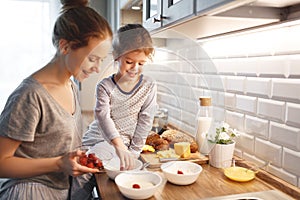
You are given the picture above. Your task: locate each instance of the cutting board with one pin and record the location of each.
(155, 162)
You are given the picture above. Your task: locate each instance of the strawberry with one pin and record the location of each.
(90, 165)
(136, 186)
(179, 172)
(83, 160)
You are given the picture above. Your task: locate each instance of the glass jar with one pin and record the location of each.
(203, 123)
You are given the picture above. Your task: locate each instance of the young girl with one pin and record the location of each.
(125, 101)
(40, 126)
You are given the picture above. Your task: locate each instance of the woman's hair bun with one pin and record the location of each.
(67, 4)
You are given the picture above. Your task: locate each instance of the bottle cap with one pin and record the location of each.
(205, 101)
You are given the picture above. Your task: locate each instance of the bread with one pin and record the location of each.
(152, 137)
(174, 136)
(157, 142)
(170, 137)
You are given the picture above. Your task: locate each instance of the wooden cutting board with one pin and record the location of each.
(155, 162)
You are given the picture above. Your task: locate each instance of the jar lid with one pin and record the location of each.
(205, 101)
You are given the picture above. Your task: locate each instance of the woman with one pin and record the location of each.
(40, 126)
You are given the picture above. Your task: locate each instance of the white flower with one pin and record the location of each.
(224, 136)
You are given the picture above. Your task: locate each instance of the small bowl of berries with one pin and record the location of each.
(181, 172)
(138, 184)
(94, 159)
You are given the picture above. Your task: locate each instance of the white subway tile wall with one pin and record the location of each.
(254, 82)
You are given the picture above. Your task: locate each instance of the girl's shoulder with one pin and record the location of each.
(148, 80)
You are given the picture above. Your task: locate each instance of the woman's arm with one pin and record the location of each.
(17, 167)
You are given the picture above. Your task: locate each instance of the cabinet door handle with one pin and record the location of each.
(159, 20)
(156, 20)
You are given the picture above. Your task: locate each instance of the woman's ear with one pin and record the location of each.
(63, 46)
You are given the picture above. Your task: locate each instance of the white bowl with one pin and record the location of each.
(149, 183)
(190, 170)
(112, 167)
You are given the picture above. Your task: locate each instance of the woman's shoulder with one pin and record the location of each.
(27, 86)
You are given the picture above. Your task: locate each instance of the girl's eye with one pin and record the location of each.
(129, 62)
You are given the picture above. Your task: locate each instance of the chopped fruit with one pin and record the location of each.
(179, 172)
(148, 148)
(136, 186)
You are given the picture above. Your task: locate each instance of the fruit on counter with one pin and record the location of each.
(182, 149)
(136, 186)
(91, 160)
(148, 149)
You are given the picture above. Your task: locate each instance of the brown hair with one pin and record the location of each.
(132, 37)
(78, 23)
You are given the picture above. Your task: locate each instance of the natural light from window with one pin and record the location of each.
(26, 30)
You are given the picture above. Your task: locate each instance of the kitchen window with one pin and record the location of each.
(26, 31)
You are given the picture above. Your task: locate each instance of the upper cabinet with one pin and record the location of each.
(205, 18)
(176, 10)
(160, 13)
(151, 14)
(204, 6)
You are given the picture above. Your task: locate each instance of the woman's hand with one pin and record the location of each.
(69, 164)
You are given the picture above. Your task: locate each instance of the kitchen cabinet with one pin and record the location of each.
(158, 13)
(203, 6)
(151, 14)
(200, 19)
(175, 11)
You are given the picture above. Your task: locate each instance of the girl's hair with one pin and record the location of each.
(132, 37)
(78, 23)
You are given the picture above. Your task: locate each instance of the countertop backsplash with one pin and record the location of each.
(254, 82)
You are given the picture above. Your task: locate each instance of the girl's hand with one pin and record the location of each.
(69, 164)
(127, 159)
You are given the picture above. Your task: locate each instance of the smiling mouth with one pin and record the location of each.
(132, 74)
(86, 73)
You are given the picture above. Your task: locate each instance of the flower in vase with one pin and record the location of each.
(224, 134)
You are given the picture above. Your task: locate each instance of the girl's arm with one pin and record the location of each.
(145, 121)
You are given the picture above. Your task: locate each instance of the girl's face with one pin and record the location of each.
(131, 65)
(86, 60)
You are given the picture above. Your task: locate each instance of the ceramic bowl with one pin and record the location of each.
(112, 167)
(138, 184)
(181, 172)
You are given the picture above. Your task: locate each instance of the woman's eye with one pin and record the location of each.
(94, 59)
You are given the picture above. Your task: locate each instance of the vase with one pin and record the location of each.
(221, 155)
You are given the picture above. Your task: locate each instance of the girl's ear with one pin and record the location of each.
(63, 46)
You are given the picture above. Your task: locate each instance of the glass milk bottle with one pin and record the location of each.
(203, 122)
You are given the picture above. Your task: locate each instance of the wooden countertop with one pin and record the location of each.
(211, 183)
